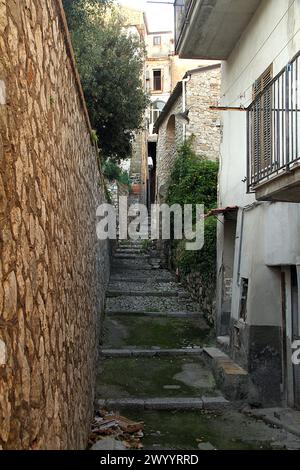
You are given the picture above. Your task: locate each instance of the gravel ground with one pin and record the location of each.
(150, 304)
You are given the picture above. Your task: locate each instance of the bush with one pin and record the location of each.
(194, 180)
(203, 261)
(112, 172)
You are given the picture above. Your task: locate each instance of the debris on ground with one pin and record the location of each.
(108, 443)
(112, 431)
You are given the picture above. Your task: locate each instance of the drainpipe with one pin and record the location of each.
(244, 210)
(184, 82)
(240, 247)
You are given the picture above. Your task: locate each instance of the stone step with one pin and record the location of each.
(231, 378)
(128, 251)
(135, 293)
(167, 314)
(154, 303)
(167, 404)
(139, 256)
(151, 352)
(121, 268)
(129, 244)
(148, 332)
(140, 280)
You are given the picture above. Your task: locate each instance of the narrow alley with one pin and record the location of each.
(155, 365)
(149, 229)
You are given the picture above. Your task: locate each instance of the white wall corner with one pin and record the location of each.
(2, 93)
(3, 353)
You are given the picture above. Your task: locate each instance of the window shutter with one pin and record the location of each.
(262, 122)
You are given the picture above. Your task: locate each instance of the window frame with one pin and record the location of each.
(154, 88)
(262, 122)
(155, 38)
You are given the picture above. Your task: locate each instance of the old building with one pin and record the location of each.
(162, 71)
(259, 213)
(187, 113)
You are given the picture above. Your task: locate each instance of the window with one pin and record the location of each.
(157, 80)
(156, 109)
(262, 123)
(157, 40)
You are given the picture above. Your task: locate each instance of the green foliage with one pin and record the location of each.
(94, 137)
(146, 245)
(194, 181)
(110, 63)
(112, 171)
(204, 260)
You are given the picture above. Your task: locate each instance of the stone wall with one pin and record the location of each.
(203, 91)
(53, 271)
(168, 141)
(204, 293)
(139, 166)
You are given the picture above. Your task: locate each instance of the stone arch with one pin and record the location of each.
(171, 131)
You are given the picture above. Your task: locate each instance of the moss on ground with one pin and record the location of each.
(147, 377)
(146, 332)
(185, 430)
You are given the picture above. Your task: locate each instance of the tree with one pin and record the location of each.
(110, 63)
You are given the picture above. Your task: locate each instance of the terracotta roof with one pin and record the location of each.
(222, 210)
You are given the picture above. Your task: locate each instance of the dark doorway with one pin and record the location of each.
(152, 171)
(295, 333)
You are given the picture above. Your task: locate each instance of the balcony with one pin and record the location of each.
(274, 138)
(210, 29)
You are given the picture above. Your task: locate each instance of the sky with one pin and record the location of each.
(160, 16)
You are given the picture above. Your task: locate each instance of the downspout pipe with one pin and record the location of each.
(184, 82)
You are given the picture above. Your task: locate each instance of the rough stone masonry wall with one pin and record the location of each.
(53, 271)
(166, 151)
(203, 91)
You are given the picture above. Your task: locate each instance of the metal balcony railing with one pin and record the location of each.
(181, 8)
(273, 123)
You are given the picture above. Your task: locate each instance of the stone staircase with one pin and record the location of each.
(152, 352)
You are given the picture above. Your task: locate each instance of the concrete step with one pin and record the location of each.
(284, 418)
(121, 268)
(129, 251)
(151, 352)
(232, 379)
(167, 314)
(146, 293)
(140, 280)
(131, 256)
(156, 404)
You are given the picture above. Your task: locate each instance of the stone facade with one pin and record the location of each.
(170, 137)
(53, 270)
(202, 91)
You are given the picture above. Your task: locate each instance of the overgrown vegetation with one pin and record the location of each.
(194, 181)
(112, 171)
(110, 63)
